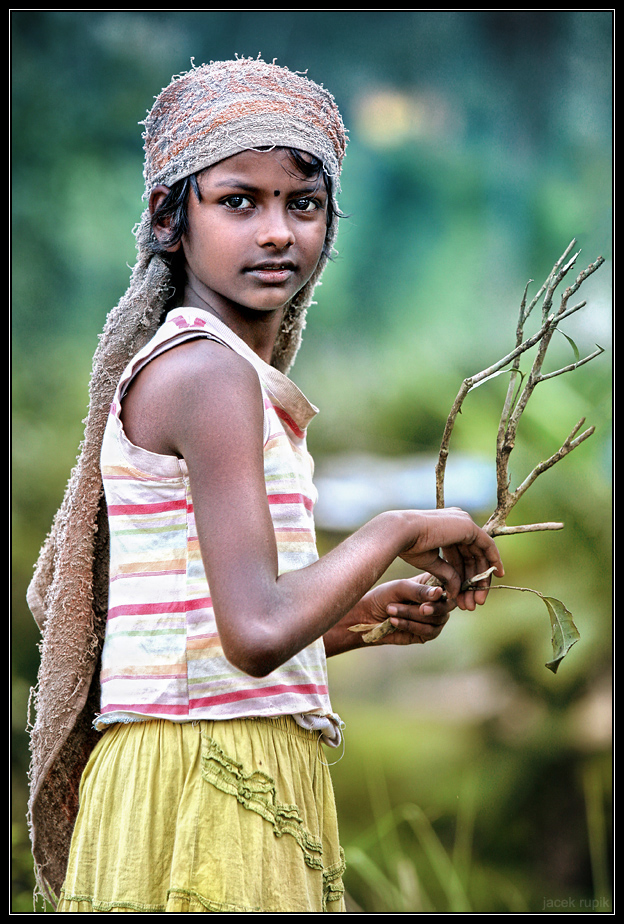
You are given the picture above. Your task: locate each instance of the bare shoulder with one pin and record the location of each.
(199, 383)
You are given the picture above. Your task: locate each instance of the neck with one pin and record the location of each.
(258, 329)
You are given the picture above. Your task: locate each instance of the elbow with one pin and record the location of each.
(256, 654)
(257, 667)
(253, 663)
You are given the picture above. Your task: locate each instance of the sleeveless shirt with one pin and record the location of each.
(162, 656)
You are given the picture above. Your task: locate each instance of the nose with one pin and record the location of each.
(275, 229)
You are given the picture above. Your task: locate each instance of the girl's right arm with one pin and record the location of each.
(203, 402)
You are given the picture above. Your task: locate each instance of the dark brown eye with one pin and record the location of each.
(237, 202)
(305, 204)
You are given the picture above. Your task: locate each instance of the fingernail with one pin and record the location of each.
(391, 610)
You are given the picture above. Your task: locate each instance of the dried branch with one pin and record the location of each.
(520, 390)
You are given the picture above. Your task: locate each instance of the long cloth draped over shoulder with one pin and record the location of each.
(68, 596)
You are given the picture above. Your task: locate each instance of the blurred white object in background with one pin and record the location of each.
(355, 487)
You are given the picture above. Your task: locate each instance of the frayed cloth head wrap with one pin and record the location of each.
(217, 110)
(202, 117)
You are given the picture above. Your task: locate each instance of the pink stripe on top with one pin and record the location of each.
(162, 656)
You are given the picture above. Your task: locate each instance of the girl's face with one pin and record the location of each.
(256, 235)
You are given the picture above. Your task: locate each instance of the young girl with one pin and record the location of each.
(207, 789)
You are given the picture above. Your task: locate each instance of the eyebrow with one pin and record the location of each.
(239, 184)
(234, 183)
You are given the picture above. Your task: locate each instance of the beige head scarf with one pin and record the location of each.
(202, 117)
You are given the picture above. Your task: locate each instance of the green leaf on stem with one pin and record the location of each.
(575, 349)
(564, 632)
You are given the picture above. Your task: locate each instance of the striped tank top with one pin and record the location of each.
(162, 656)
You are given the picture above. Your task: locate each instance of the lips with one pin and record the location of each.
(272, 270)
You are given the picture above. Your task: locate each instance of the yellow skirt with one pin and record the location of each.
(223, 817)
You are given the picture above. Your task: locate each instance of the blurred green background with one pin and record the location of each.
(473, 778)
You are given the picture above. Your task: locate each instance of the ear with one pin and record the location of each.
(162, 226)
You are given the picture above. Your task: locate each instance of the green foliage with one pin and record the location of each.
(452, 856)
